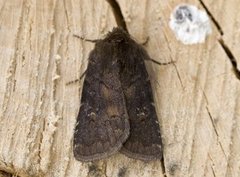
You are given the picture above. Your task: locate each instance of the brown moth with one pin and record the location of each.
(117, 112)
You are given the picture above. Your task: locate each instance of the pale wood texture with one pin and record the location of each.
(197, 98)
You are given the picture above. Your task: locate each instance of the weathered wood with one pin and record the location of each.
(197, 97)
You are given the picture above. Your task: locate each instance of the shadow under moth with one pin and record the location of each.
(117, 111)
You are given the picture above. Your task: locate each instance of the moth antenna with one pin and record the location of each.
(84, 39)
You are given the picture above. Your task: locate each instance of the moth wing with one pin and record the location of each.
(144, 141)
(102, 123)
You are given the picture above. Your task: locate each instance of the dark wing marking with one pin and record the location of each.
(144, 141)
(102, 123)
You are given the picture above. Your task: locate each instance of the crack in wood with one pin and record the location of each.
(163, 167)
(215, 129)
(223, 45)
(118, 14)
(213, 172)
(216, 23)
(175, 66)
(211, 118)
(231, 57)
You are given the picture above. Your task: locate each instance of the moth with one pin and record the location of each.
(117, 111)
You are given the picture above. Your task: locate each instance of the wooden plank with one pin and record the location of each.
(197, 97)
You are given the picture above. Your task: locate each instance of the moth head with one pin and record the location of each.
(117, 35)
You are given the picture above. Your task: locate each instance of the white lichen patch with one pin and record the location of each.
(189, 24)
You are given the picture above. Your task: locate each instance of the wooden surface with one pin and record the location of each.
(197, 98)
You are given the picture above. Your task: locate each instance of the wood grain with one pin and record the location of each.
(197, 97)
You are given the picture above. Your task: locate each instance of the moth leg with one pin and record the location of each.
(154, 61)
(77, 80)
(145, 42)
(83, 74)
(160, 63)
(84, 39)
